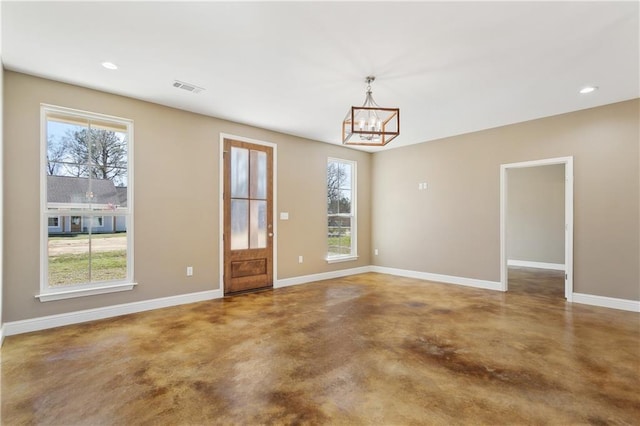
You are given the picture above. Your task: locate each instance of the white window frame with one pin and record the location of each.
(354, 214)
(50, 293)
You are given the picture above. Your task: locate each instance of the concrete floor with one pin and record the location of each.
(367, 349)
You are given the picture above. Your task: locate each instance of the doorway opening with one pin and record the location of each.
(550, 269)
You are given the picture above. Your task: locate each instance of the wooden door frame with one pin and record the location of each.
(568, 219)
(273, 146)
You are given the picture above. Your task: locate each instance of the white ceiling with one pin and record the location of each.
(297, 67)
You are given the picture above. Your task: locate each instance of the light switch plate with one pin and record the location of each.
(284, 215)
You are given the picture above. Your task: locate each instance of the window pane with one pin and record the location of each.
(258, 224)
(109, 250)
(108, 155)
(239, 172)
(95, 224)
(67, 192)
(67, 166)
(239, 224)
(345, 176)
(333, 206)
(68, 258)
(67, 150)
(344, 204)
(258, 174)
(339, 235)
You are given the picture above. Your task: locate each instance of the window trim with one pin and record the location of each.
(48, 293)
(354, 214)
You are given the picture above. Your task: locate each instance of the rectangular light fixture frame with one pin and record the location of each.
(353, 134)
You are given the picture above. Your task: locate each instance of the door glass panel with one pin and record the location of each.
(258, 174)
(239, 224)
(239, 172)
(258, 224)
(68, 258)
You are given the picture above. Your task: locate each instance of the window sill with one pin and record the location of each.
(341, 259)
(81, 292)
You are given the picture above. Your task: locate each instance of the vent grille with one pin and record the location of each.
(187, 86)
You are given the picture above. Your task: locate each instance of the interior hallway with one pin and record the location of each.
(365, 349)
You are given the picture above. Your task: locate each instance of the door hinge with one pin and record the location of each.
(566, 276)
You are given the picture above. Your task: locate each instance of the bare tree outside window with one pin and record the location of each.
(336, 180)
(101, 154)
(56, 153)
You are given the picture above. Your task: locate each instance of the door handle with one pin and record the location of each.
(271, 234)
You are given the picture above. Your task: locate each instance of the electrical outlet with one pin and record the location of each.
(300, 259)
(189, 271)
(375, 252)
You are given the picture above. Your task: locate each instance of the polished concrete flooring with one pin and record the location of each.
(367, 349)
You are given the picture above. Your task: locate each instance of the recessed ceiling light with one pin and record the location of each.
(588, 89)
(110, 65)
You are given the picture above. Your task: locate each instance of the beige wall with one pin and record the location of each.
(452, 228)
(176, 180)
(535, 214)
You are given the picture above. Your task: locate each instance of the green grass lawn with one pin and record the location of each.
(74, 268)
(339, 245)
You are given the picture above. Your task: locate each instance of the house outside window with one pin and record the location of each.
(341, 210)
(87, 203)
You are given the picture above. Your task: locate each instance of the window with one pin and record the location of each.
(87, 197)
(341, 210)
(96, 222)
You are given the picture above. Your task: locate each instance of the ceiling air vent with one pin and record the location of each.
(187, 86)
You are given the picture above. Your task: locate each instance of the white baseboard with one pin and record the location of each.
(449, 279)
(539, 265)
(607, 302)
(286, 282)
(43, 323)
(51, 321)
